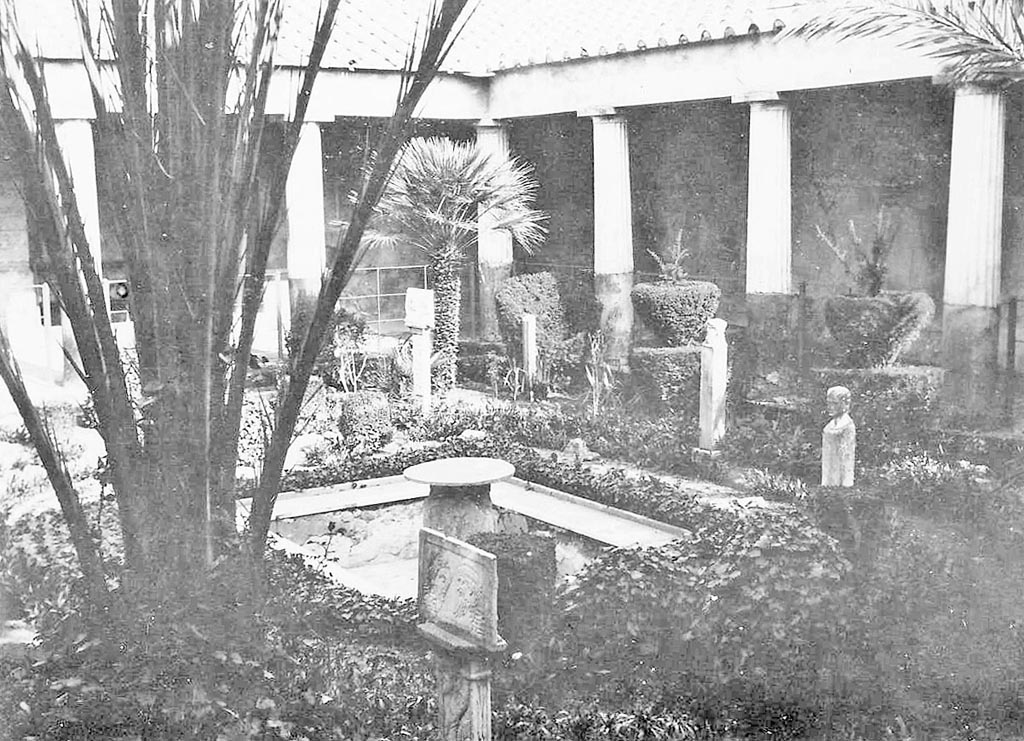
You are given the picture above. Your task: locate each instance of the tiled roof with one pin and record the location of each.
(502, 34)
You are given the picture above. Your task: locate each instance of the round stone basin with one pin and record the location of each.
(460, 471)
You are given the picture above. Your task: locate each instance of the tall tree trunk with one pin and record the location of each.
(447, 281)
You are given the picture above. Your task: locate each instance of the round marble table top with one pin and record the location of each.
(460, 471)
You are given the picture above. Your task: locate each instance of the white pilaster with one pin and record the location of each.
(613, 209)
(769, 199)
(494, 246)
(613, 231)
(76, 143)
(975, 228)
(304, 199)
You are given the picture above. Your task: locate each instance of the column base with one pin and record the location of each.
(970, 340)
(302, 296)
(613, 292)
(491, 278)
(769, 345)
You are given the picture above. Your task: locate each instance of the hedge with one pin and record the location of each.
(677, 313)
(668, 376)
(364, 419)
(874, 332)
(537, 294)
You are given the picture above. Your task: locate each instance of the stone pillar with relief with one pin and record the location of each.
(494, 246)
(457, 596)
(974, 235)
(613, 230)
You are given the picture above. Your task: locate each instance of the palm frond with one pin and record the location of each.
(442, 188)
(982, 40)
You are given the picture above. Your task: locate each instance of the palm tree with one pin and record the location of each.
(440, 190)
(983, 40)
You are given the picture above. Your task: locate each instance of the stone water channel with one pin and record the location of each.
(373, 543)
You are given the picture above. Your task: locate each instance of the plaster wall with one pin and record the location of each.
(870, 162)
(689, 171)
(560, 148)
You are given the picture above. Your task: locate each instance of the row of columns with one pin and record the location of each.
(974, 234)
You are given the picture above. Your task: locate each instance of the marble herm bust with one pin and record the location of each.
(838, 440)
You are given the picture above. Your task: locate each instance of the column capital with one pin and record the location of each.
(975, 87)
(602, 111)
(490, 123)
(758, 96)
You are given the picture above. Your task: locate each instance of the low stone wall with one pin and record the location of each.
(362, 537)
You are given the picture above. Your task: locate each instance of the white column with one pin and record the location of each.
(974, 231)
(304, 199)
(76, 143)
(613, 231)
(769, 199)
(494, 246)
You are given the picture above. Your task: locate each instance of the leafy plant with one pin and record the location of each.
(672, 267)
(600, 375)
(875, 332)
(677, 313)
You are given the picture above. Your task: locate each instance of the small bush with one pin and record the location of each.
(677, 313)
(364, 420)
(668, 376)
(776, 487)
(874, 332)
(786, 445)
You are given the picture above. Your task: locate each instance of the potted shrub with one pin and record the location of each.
(676, 310)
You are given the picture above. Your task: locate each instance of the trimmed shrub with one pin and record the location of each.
(873, 332)
(534, 293)
(892, 407)
(364, 420)
(668, 375)
(561, 348)
(677, 313)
